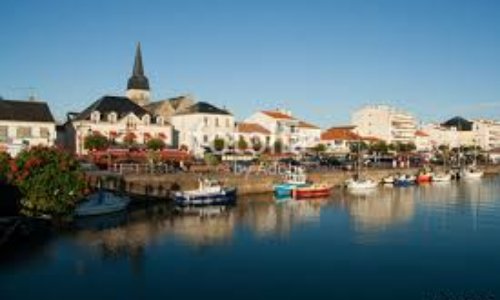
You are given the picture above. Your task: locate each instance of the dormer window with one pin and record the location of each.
(112, 117)
(95, 116)
(146, 120)
(159, 120)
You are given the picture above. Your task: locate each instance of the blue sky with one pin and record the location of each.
(321, 59)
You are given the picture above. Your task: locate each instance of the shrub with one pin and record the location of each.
(242, 144)
(4, 166)
(96, 141)
(49, 179)
(155, 144)
(219, 144)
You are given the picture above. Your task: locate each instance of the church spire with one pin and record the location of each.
(138, 81)
(138, 68)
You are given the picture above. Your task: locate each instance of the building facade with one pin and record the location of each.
(200, 124)
(294, 134)
(486, 134)
(24, 124)
(386, 123)
(120, 120)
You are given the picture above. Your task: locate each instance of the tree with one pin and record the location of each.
(256, 144)
(95, 141)
(278, 146)
(320, 148)
(379, 146)
(219, 144)
(358, 146)
(242, 144)
(50, 181)
(155, 144)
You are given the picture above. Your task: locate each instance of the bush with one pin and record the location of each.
(320, 148)
(155, 144)
(95, 141)
(49, 179)
(242, 144)
(278, 146)
(219, 144)
(4, 166)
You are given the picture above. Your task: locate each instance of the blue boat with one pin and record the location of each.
(294, 178)
(209, 193)
(404, 181)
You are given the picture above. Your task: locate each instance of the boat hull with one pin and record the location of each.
(94, 207)
(286, 189)
(226, 196)
(311, 192)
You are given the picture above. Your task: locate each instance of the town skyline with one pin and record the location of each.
(273, 64)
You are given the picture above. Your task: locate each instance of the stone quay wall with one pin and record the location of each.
(160, 186)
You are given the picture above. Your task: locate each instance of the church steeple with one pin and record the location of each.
(138, 80)
(138, 84)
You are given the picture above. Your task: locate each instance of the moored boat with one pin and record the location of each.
(471, 173)
(311, 191)
(362, 184)
(424, 177)
(100, 203)
(446, 177)
(209, 192)
(294, 178)
(388, 180)
(404, 181)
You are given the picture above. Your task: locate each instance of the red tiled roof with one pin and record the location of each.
(339, 134)
(370, 138)
(307, 125)
(421, 133)
(277, 115)
(252, 128)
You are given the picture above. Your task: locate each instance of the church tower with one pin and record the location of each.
(138, 84)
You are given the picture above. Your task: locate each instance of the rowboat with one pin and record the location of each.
(100, 203)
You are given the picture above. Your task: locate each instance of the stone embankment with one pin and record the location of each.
(159, 186)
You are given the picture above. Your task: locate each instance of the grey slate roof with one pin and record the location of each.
(138, 80)
(203, 108)
(28, 111)
(460, 123)
(122, 106)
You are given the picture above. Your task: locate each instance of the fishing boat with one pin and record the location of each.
(311, 191)
(209, 192)
(294, 178)
(100, 203)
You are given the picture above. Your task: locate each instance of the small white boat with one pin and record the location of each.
(362, 184)
(100, 203)
(388, 180)
(471, 173)
(442, 177)
(209, 192)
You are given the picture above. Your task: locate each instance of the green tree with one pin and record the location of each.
(242, 144)
(256, 144)
(358, 146)
(219, 144)
(95, 141)
(320, 148)
(379, 147)
(49, 179)
(155, 144)
(278, 146)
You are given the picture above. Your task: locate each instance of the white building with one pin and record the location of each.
(292, 132)
(25, 123)
(339, 139)
(453, 133)
(118, 119)
(486, 134)
(423, 141)
(386, 123)
(199, 125)
(252, 132)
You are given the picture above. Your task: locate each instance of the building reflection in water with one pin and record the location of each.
(376, 210)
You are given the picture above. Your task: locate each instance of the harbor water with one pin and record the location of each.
(424, 242)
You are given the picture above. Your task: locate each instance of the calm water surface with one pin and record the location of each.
(396, 243)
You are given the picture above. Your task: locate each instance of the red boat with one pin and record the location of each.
(312, 191)
(422, 178)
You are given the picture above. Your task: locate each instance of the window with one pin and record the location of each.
(205, 138)
(159, 120)
(131, 123)
(216, 122)
(23, 132)
(227, 123)
(4, 131)
(112, 117)
(95, 116)
(146, 120)
(44, 133)
(205, 121)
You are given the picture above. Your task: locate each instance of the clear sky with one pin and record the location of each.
(320, 59)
